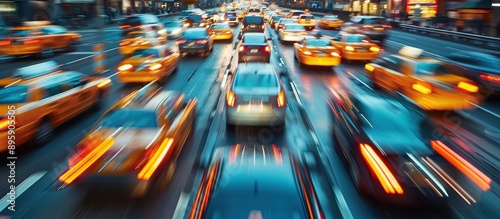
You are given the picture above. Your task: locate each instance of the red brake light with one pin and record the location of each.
(31, 41)
(380, 170)
(231, 99)
(181, 41)
(241, 48)
(124, 43)
(281, 99)
(387, 26)
(490, 78)
(125, 26)
(467, 86)
(5, 43)
(201, 41)
(268, 49)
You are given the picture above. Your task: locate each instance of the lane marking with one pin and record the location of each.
(180, 209)
(81, 53)
(486, 110)
(454, 48)
(344, 209)
(114, 74)
(296, 93)
(410, 38)
(86, 57)
(22, 187)
(360, 81)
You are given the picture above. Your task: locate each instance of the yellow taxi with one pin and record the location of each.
(307, 20)
(149, 64)
(330, 21)
(38, 38)
(430, 83)
(137, 39)
(316, 51)
(134, 146)
(354, 46)
(221, 31)
(38, 98)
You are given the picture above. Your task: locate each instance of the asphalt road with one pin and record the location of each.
(474, 134)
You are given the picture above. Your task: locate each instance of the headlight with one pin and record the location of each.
(176, 31)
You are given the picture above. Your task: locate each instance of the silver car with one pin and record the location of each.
(256, 96)
(292, 33)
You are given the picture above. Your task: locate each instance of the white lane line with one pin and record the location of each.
(296, 93)
(344, 208)
(114, 74)
(21, 188)
(454, 48)
(81, 53)
(427, 53)
(360, 81)
(180, 209)
(486, 110)
(86, 57)
(410, 38)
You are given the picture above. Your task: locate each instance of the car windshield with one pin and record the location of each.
(130, 118)
(254, 10)
(307, 17)
(146, 53)
(330, 18)
(254, 39)
(429, 68)
(133, 21)
(253, 19)
(14, 94)
(230, 14)
(195, 18)
(220, 26)
(356, 39)
(256, 80)
(173, 24)
(380, 21)
(295, 27)
(318, 42)
(287, 21)
(19, 33)
(194, 34)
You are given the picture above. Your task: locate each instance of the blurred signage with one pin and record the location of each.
(189, 1)
(422, 2)
(7, 7)
(165, 0)
(78, 1)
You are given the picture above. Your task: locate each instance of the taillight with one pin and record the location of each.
(281, 99)
(304, 33)
(124, 43)
(349, 48)
(201, 41)
(231, 99)
(490, 78)
(422, 87)
(262, 26)
(5, 123)
(125, 67)
(154, 162)
(241, 48)
(387, 26)
(367, 26)
(31, 41)
(369, 67)
(155, 66)
(306, 53)
(181, 41)
(468, 87)
(125, 26)
(228, 32)
(5, 43)
(142, 43)
(268, 49)
(374, 49)
(381, 171)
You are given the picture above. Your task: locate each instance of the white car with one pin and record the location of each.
(292, 33)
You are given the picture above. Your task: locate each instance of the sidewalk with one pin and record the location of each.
(487, 31)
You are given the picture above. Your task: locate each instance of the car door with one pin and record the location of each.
(60, 102)
(81, 93)
(298, 48)
(392, 77)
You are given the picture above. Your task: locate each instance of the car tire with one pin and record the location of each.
(44, 133)
(72, 46)
(47, 52)
(99, 102)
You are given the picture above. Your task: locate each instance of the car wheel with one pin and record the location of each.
(72, 46)
(47, 52)
(44, 133)
(99, 102)
(374, 79)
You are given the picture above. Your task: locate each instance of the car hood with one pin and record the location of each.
(256, 91)
(398, 143)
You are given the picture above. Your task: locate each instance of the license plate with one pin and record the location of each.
(321, 54)
(252, 26)
(378, 28)
(254, 50)
(362, 49)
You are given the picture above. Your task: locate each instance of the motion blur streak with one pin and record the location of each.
(428, 174)
(154, 162)
(277, 155)
(452, 183)
(309, 209)
(383, 173)
(87, 161)
(468, 169)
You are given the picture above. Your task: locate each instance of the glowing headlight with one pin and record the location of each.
(176, 31)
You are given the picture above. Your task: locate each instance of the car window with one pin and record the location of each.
(230, 14)
(430, 68)
(330, 18)
(379, 21)
(254, 39)
(254, 10)
(52, 89)
(146, 53)
(253, 19)
(392, 63)
(19, 33)
(318, 42)
(185, 13)
(306, 17)
(220, 26)
(256, 80)
(133, 21)
(356, 20)
(72, 80)
(14, 94)
(356, 39)
(194, 34)
(294, 27)
(173, 24)
(129, 118)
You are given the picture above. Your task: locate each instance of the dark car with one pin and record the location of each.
(252, 23)
(196, 20)
(254, 47)
(274, 20)
(372, 26)
(231, 17)
(382, 142)
(256, 181)
(254, 11)
(195, 41)
(483, 68)
(139, 21)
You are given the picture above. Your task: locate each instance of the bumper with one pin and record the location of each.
(233, 23)
(331, 25)
(292, 38)
(138, 76)
(365, 56)
(253, 58)
(435, 102)
(320, 61)
(276, 116)
(193, 49)
(223, 37)
(253, 30)
(128, 183)
(20, 50)
(308, 25)
(492, 87)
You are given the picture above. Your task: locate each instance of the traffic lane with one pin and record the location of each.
(105, 205)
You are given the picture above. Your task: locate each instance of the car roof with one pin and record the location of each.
(33, 74)
(254, 34)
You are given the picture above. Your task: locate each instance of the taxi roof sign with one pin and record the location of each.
(36, 23)
(37, 70)
(411, 52)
